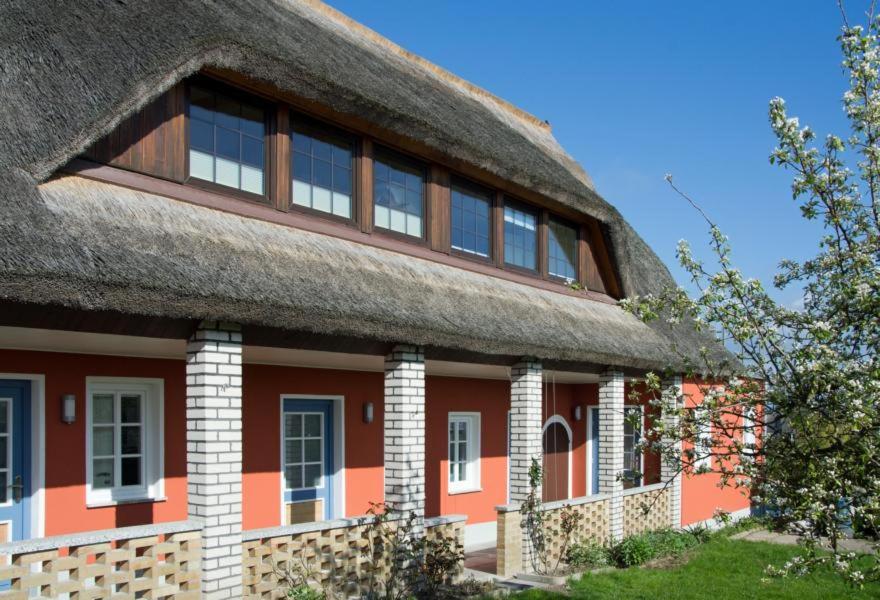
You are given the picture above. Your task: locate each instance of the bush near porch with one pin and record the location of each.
(720, 568)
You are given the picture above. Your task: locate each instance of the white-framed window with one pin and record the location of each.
(703, 440)
(632, 458)
(464, 452)
(749, 424)
(124, 440)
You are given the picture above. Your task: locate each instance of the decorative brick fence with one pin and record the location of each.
(655, 497)
(151, 561)
(336, 554)
(595, 524)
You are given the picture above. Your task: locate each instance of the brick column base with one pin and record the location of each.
(612, 398)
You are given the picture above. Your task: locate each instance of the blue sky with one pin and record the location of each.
(634, 90)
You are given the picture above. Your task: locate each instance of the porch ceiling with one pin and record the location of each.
(80, 342)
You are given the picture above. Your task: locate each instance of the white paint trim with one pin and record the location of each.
(561, 420)
(474, 444)
(338, 404)
(480, 535)
(38, 446)
(642, 417)
(713, 523)
(590, 458)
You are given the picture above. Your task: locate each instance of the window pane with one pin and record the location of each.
(201, 165)
(292, 425)
(201, 135)
(400, 186)
(102, 473)
(252, 151)
(228, 143)
(323, 173)
(520, 237)
(342, 180)
(312, 450)
(131, 440)
(293, 477)
(322, 150)
(226, 172)
(321, 199)
(342, 205)
(102, 441)
(312, 476)
(470, 222)
(102, 408)
(562, 250)
(4, 452)
(302, 143)
(302, 167)
(4, 416)
(4, 479)
(312, 425)
(131, 409)
(462, 430)
(293, 451)
(302, 193)
(252, 179)
(131, 470)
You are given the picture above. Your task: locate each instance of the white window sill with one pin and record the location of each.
(467, 490)
(106, 503)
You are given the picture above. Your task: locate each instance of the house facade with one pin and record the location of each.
(261, 268)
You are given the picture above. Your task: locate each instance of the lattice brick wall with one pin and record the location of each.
(337, 558)
(634, 518)
(593, 526)
(143, 567)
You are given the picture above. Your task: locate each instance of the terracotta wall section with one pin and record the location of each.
(701, 495)
(263, 387)
(65, 498)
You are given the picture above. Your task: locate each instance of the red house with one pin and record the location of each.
(260, 267)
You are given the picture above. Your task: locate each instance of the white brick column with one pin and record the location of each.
(670, 470)
(213, 453)
(405, 431)
(612, 398)
(526, 401)
(525, 425)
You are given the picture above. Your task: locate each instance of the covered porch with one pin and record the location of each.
(225, 487)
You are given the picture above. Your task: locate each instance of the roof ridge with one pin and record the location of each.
(444, 74)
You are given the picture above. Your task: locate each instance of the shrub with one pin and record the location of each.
(638, 549)
(587, 555)
(632, 550)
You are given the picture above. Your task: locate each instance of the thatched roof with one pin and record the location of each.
(72, 71)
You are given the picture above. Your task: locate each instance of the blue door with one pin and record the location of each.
(308, 452)
(594, 450)
(15, 458)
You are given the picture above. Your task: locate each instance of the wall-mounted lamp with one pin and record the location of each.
(368, 412)
(68, 408)
(578, 412)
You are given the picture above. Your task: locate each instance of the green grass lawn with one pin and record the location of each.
(721, 569)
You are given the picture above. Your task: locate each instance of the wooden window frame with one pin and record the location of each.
(577, 244)
(269, 142)
(326, 132)
(595, 269)
(517, 204)
(491, 197)
(403, 157)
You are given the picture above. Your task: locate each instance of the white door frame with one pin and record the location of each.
(561, 420)
(38, 449)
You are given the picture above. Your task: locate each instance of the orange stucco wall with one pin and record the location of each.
(66, 510)
(261, 416)
(65, 497)
(700, 494)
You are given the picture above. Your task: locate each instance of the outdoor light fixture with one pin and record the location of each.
(578, 412)
(68, 408)
(368, 412)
